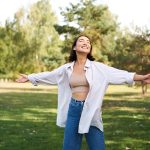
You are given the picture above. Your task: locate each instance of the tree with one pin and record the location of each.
(15, 51)
(30, 42)
(133, 52)
(96, 21)
(42, 35)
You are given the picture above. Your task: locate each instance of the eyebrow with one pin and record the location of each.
(86, 40)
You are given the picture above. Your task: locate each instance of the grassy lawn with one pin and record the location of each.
(28, 120)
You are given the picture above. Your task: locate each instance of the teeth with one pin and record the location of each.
(84, 47)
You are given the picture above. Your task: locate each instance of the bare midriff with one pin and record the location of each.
(80, 96)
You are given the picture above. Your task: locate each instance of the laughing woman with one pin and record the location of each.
(81, 87)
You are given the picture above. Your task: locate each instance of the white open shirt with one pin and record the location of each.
(98, 75)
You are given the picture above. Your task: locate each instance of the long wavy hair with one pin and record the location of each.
(73, 56)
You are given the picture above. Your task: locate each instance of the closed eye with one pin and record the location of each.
(81, 40)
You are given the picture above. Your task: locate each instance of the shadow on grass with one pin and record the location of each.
(126, 121)
(28, 122)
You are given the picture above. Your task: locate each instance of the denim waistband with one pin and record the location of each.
(77, 101)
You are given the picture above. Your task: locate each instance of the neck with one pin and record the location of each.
(81, 60)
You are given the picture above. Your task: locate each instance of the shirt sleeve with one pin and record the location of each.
(48, 78)
(117, 76)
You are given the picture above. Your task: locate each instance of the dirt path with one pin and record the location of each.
(23, 87)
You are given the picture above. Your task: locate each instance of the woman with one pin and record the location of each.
(81, 86)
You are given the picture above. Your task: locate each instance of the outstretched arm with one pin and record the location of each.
(42, 77)
(117, 76)
(39, 78)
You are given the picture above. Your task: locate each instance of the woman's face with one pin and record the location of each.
(83, 45)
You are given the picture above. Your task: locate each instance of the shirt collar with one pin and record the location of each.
(87, 64)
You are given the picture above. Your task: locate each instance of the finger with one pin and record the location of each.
(23, 75)
(17, 80)
(146, 81)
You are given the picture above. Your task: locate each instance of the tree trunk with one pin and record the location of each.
(144, 88)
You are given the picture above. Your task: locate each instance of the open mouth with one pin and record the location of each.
(84, 47)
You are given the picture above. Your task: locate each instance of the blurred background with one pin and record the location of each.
(37, 35)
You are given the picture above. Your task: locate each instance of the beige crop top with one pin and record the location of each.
(78, 83)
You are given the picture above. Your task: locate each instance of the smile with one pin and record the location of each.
(84, 47)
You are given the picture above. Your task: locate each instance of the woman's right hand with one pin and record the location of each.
(22, 79)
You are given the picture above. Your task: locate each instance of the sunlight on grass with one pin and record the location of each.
(51, 110)
(6, 118)
(129, 109)
(110, 142)
(26, 115)
(28, 120)
(124, 88)
(30, 116)
(130, 140)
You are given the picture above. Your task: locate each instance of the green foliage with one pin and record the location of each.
(12, 49)
(30, 38)
(141, 48)
(31, 43)
(96, 21)
(133, 51)
(52, 61)
(42, 35)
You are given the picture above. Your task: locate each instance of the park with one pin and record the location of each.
(28, 118)
(34, 41)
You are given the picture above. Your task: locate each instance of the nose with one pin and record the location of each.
(85, 43)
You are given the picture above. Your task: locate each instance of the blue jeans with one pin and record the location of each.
(73, 139)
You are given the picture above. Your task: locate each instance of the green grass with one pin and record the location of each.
(28, 121)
